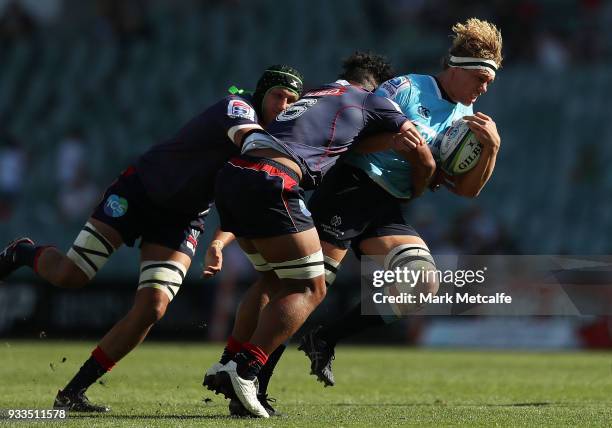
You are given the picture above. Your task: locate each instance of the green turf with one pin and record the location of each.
(160, 385)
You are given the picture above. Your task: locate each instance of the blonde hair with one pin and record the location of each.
(478, 39)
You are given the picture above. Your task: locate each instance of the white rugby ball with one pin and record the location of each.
(459, 149)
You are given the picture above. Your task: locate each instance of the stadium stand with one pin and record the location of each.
(129, 91)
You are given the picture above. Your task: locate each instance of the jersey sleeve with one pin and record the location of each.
(383, 114)
(398, 89)
(235, 113)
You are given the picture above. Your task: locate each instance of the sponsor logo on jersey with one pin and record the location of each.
(240, 109)
(327, 92)
(391, 87)
(424, 112)
(115, 206)
(396, 82)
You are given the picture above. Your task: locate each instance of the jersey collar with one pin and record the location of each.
(440, 90)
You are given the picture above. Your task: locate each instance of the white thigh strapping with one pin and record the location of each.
(90, 251)
(303, 268)
(166, 276)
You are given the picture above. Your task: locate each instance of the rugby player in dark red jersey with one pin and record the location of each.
(267, 212)
(162, 199)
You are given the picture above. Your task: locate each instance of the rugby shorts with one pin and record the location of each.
(348, 207)
(260, 198)
(126, 208)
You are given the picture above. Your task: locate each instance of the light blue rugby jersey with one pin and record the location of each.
(420, 99)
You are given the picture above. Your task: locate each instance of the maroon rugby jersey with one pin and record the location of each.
(324, 123)
(179, 173)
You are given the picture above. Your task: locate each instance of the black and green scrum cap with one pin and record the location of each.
(275, 76)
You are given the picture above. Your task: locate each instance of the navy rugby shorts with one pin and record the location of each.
(260, 198)
(126, 208)
(348, 207)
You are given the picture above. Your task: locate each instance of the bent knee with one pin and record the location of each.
(156, 312)
(314, 288)
(319, 289)
(150, 307)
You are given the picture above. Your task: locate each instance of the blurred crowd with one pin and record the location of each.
(554, 34)
(550, 34)
(76, 192)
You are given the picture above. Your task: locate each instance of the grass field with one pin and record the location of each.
(160, 385)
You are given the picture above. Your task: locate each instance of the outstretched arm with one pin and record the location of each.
(213, 261)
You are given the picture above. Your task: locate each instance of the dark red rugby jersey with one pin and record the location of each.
(179, 173)
(324, 123)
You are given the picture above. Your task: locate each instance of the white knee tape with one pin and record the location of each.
(90, 250)
(403, 254)
(304, 268)
(259, 263)
(413, 257)
(331, 268)
(166, 276)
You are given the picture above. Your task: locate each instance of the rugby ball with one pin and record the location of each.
(459, 149)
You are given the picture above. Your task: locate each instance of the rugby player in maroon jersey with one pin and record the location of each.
(267, 213)
(163, 199)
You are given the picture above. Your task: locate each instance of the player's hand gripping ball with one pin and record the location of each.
(459, 149)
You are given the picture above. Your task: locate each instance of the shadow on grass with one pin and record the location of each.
(529, 404)
(227, 417)
(153, 416)
(443, 403)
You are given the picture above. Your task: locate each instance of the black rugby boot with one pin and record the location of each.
(8, 262)
(321, 355)
(77, 402)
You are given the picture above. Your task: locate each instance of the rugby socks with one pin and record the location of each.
(230, 350)
(94, 368)
(266, 371)
(352, 323)
(249, 361)
(27, 254)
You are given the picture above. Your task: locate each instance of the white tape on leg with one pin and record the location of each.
(90, 251)
(259, 263)
(303, 268)
(166, 276)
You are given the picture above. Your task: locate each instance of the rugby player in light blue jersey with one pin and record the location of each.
(351, 210)
(360, 202)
